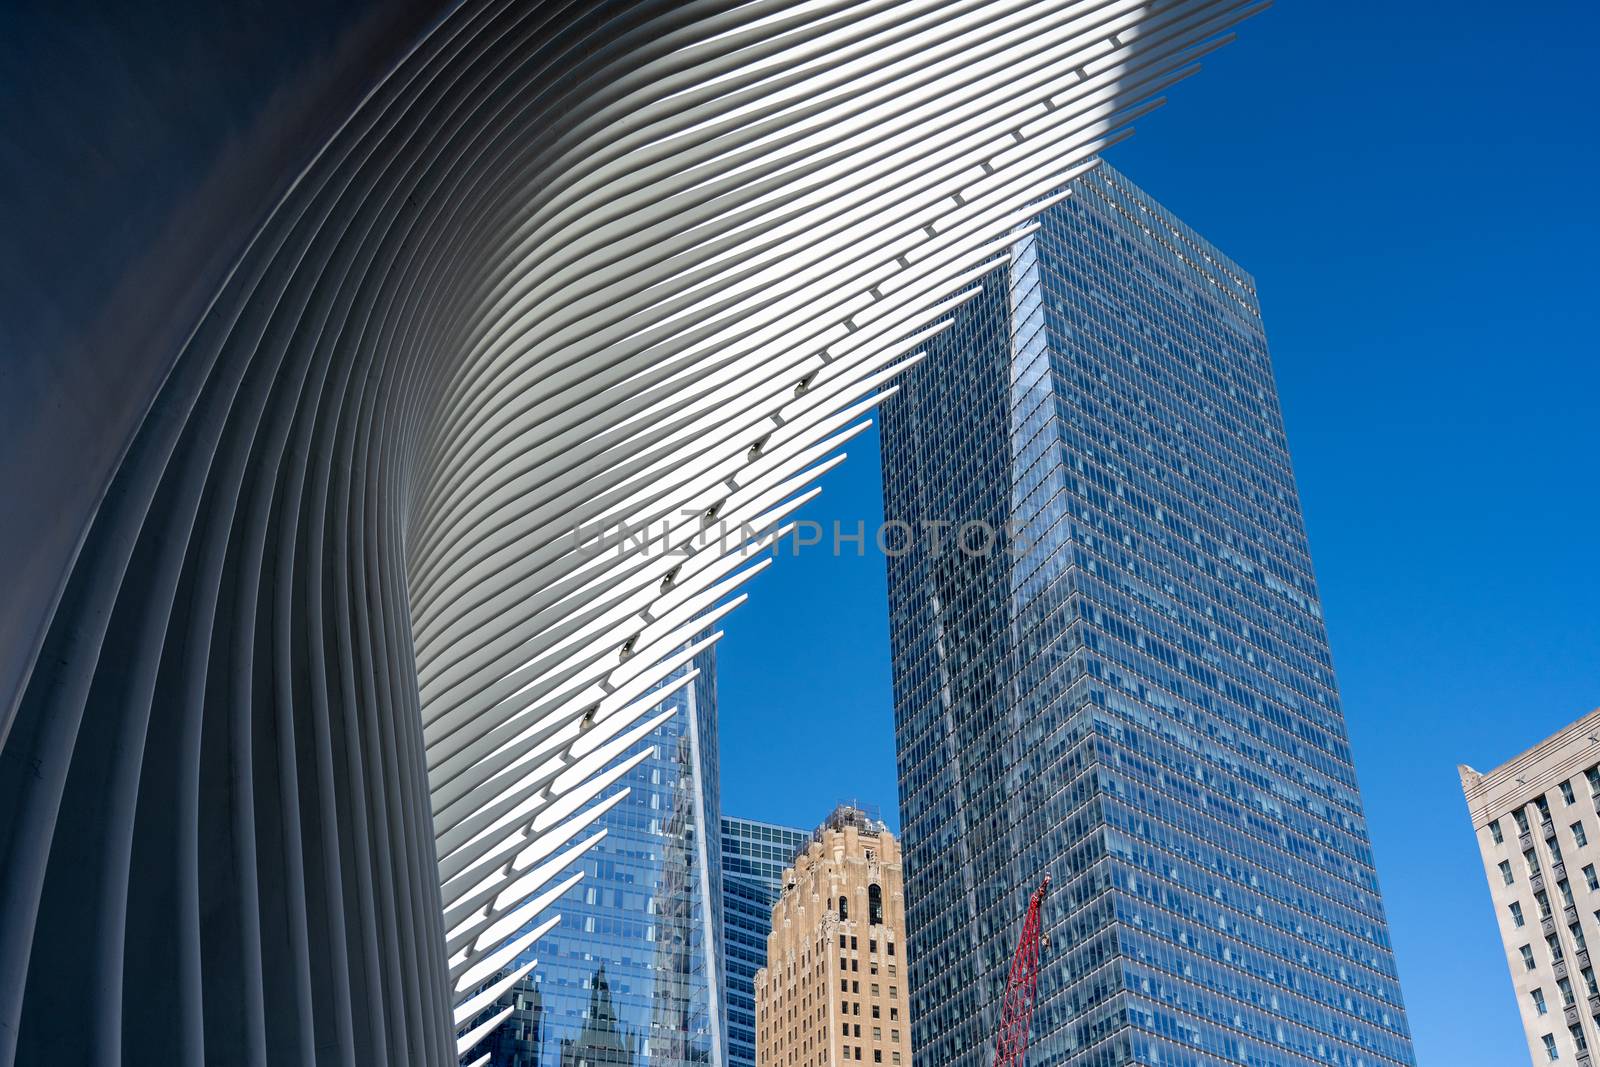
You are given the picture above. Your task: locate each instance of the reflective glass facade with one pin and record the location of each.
(1134, 691)
(754, 855)
(632, 974)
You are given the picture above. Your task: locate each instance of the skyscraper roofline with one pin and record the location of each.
(1532, 771)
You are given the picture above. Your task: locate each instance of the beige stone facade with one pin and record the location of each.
(834, 988)
(1537, 819)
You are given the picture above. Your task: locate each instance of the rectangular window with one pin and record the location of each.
(1550, 1047)
(1589, 983)
(1577, 936)
(1578, 835)
(1522, 820)
(1494, 832)
(1593, 774)
(1516, 914)
(1527, 957)
(1591, 878)
(1505, 871)
(1554, 945)
(1531, 860)
(1565, 889)
(1567, 999)
(1577, 1038)
(1542, 899)
(1544, 808)
(1539, 1006)
(1566, 793)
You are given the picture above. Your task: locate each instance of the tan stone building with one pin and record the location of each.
(834, 988)
(1538, 823)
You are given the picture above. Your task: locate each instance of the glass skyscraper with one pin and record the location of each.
(754, 855)
(1132, 691)
(632, 975)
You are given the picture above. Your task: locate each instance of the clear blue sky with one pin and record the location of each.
(1413, 186)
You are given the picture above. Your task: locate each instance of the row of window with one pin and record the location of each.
(1542, 898)
(1568, 796)
(845, 1054)
(1554, 945)
(894, 991)
(872, 943)
(1578, 1040)
(877, 1032)
(1564, 986)
(874, 904)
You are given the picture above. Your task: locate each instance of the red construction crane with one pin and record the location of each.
(1016, 1016)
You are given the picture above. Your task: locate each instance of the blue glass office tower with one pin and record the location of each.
(1134, 692)
(754, 855)
(632, 975)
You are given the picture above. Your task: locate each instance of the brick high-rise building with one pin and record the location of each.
(834, 988)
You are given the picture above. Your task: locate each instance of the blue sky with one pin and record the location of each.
(1413, 186)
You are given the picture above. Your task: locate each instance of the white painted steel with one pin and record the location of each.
(752, 241)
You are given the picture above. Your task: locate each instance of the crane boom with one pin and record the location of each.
(1016, 1015)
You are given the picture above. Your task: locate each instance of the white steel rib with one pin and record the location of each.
(751, 242)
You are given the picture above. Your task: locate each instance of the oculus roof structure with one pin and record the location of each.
(309, 663)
